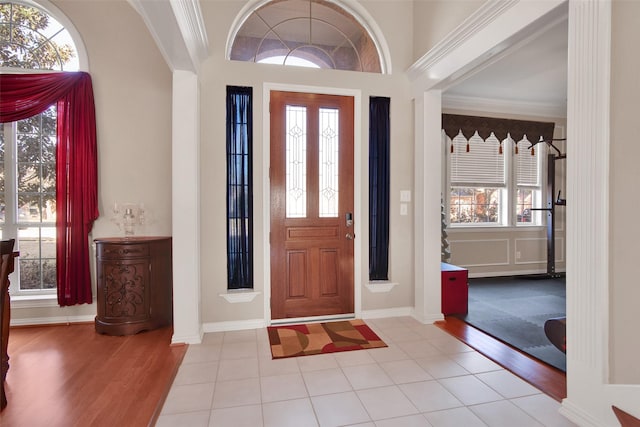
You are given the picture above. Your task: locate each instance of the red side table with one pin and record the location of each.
(455, 289)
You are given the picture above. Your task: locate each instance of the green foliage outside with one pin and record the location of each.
(23, 43)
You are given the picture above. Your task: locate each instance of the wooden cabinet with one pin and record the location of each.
(135, 286)
(455, 289)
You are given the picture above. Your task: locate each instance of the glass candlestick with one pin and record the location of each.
(128, 222)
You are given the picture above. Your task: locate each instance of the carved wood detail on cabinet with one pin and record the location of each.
(134, 284)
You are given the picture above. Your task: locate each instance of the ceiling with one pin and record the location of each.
(533, 72)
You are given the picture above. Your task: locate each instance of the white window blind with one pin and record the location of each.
(482, 165)
(527, 170)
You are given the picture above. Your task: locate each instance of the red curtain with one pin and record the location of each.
(25, 95)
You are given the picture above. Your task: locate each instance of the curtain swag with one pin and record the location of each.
(25, 95)
(453, 124)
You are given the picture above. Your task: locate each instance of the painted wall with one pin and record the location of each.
(132, 88)
(449, 14)
(624, 203)
(217, 73)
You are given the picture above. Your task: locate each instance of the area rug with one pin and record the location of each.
(514, 310)
(318, 338)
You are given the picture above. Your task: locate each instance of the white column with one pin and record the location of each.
(588, 213)
(427, 177)
(185, 175)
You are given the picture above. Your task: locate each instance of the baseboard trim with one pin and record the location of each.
(387, 312)
(234, 325)
(577, 415)
(57, 320)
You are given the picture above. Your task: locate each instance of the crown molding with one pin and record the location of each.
(191, 23)
(539, 109)
(177, 26)
(486, 14)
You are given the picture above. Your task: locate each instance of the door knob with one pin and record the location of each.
(350, 236)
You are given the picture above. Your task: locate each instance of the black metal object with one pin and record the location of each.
(551, 204)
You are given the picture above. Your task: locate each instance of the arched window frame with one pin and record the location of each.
(82, 66)
(359, 13)
(58, 15)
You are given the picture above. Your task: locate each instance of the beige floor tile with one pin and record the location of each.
(419, 349)
(290, 413)
(456, 417)
(248, 335)
(353, 358)
(441, 366)
(239, 416)
(200, 353)
(409, 421)
(237, 369)
(340, 409)
(189, 398)
(470, 390)
(188, 419)
(282, 387)
(269, 367)
(366, 376)
(503, 414)
(430, 396)
(327, 381)
(388, 354)
(237, 393)
(405, 371)
(196, 373)
(507, 384)
(239, 350)
(317, 362)
(475, 362)
(386, 402)
(544, 409)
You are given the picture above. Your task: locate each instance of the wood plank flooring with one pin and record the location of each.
(550, 380)
(71, 376)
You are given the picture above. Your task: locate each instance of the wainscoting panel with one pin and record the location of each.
(481, 252)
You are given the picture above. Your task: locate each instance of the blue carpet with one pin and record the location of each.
(514, 309)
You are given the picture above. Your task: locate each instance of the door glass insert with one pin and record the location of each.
(296, 146)
(329, 143)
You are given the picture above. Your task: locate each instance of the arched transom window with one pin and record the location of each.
(312, 33)
(30, 38)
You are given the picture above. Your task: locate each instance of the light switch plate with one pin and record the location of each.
(405, 195)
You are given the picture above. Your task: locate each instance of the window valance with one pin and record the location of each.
(453, 124)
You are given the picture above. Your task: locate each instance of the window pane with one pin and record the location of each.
(471, 205)
(37, 261)
(296, 143)
(329, 143)
(524, 205)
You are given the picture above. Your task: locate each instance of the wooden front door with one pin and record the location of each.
(312, 231)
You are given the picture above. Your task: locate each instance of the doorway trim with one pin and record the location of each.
(358, 206)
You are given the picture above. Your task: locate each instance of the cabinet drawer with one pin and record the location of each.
(120, 251)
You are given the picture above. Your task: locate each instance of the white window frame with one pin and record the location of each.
(508, 195)
(10, 229)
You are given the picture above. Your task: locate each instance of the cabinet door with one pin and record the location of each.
(126, 289)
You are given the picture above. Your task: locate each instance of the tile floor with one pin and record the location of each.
(424, 378)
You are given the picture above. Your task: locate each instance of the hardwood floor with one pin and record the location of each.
(550, 380)
(71, 376)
